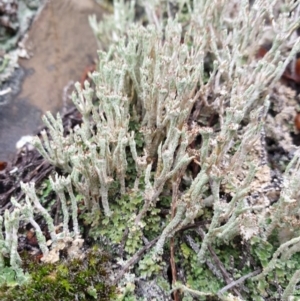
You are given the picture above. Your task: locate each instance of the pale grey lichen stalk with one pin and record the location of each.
(182, 100)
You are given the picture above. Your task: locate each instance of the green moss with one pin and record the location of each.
(71, 280)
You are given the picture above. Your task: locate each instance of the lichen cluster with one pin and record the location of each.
(171, 168)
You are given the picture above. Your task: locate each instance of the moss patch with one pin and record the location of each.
(70, 280)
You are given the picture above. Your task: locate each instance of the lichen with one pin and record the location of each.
(171, 164)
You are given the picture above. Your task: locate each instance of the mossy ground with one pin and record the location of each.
(78, 279)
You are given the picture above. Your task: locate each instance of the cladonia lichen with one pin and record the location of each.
(171, 160)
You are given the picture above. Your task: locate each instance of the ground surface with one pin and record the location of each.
(61, 45)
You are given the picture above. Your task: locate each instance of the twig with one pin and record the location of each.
(123, 242)
(175, 186)
(173, 268)
(239, 281)
(134, 259)
(219, 264)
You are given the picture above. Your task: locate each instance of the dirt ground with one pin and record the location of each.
(61, 46)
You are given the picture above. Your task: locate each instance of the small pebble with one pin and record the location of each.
(24, 140)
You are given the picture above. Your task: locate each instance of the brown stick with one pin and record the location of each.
(175, 186)
(220, 265)
(134, 259)
(237, 282)
(173, 269)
